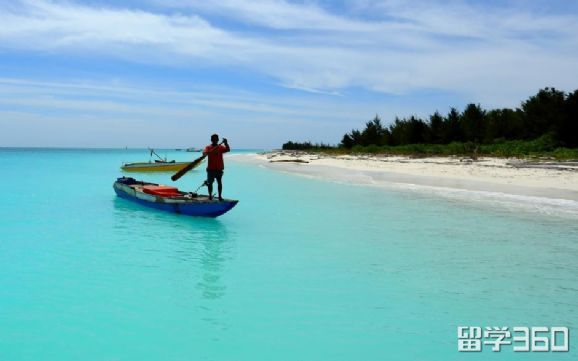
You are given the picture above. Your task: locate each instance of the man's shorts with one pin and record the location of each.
(214, 174)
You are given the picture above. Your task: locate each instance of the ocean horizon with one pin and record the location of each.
(124, 148)
(301, 269)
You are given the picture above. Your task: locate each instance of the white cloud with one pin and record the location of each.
(187, 113)
(157, 103)
(276, 14)
(496, 56)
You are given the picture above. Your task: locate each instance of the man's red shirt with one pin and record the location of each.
(215, 155)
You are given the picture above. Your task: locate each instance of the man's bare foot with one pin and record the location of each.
(221, 199)
(210, 198)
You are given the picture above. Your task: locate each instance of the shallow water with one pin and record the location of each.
(301, 269)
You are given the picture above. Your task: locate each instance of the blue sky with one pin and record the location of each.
(168, 73)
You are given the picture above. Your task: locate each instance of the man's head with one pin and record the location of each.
(215, 138)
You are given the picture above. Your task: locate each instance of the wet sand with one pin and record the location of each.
(545, 178)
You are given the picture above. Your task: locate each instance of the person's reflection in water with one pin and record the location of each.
(184, 258)
(214, 254)
(202, 243)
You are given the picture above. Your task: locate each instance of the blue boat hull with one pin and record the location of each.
(193, 207)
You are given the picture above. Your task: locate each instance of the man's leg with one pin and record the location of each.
(210, 180)
(220, 186)
(210, 186)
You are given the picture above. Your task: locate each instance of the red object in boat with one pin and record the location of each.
(162, 191)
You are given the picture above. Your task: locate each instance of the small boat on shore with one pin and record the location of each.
(170, 199)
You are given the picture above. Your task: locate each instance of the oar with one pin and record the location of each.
(187, 168)
(190, 166)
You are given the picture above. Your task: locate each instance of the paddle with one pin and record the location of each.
(191, 165)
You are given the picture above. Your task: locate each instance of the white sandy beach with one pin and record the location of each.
(544, 178)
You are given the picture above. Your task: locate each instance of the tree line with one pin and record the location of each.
(549, 113)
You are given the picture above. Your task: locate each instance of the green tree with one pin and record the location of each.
(436, 125)
(503, 124)
(550, 114)
(409, 131)
(452, 127)
(569, 127)
(472, 121)
(543, 113)
(347, 141)
(373, 133)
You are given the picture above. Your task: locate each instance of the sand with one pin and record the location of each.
(543, 178)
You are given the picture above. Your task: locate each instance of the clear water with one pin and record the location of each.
(301, 269)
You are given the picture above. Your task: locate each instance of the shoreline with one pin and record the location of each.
(552, 180)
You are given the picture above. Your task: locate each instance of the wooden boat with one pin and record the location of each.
(170, 199)
(156, 166)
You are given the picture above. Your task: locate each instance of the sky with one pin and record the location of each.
(169, 73)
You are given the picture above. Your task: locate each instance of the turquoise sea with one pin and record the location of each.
(302, 269)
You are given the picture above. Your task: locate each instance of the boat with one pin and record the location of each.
(193, 149)
(170, 199)
(158, 165)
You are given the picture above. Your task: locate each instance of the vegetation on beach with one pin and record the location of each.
(545, 125)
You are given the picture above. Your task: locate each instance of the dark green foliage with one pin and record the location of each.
(544, 113)
(436, 125)
(503, 124)
(346, 142)
(374, 133)
(408, 131)
(569, 127)
(297, 146)
(472, 123)
(452, 127)
(543, 146)
(305, 146)
(546, 122)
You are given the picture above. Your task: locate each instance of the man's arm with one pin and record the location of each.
(226, 143)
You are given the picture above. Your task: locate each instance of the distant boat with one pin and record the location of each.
(158, 165)
(170, 199)
(193, 149)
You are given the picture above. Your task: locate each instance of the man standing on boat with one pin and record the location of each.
(214, 152)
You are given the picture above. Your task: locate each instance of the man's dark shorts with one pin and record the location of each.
(214, 174)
